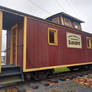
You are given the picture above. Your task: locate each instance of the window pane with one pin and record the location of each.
(67, 22)
(76, 25)
(88, 42)
(51, 36)
(55, 20)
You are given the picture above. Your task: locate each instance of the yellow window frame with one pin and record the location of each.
(88, 39)
(62, 20)
(55, 36)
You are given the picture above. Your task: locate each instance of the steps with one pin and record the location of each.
(10, 74)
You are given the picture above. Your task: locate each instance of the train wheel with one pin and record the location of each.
(28, 76)
(41, 75)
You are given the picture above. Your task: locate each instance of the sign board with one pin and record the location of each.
(73, 40)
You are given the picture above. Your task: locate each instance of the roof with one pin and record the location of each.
(66, 15)
(53, 16)
(24, 14)
(17, 12)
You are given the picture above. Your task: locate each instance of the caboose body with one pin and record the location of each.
(37, 44)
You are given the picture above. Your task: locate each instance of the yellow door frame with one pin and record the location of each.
(1, 24)
(14, 28)
(24, 44)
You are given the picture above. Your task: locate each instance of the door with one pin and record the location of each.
(13, 55)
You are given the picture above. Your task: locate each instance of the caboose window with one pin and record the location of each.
(52, 36)
(56, 20)
(76, 25)
(67, 22)
(88, 41)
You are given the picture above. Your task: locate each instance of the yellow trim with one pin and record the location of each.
(12, 12)
(11, 49)
(24, 44)
(55, 36)
(51, 67)
(1, 24)
(58, 20)
(88, 39)
(62, 21)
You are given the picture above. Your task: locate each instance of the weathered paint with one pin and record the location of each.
(40, 55)
(34, 52)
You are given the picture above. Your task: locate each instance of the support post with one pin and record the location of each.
(24, 44)
(1, 23)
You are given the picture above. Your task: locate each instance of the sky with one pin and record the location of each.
(80, 9)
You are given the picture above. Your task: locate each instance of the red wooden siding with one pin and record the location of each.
(20, 45)
(40, 54)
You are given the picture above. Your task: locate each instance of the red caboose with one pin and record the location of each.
(37, 44)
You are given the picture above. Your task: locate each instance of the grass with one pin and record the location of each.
(62, 69)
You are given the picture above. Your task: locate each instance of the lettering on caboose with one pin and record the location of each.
(73, 40)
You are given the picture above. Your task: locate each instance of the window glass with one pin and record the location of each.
(55, 20)
(76, 25)
(52, 36)
(67, 22)
(88, 41)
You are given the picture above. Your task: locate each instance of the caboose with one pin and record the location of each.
(36, 46)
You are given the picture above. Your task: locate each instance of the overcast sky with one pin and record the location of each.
(44, 8)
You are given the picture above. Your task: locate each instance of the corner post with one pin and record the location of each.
(1, 23)
(24, 43)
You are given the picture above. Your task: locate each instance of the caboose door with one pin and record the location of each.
(13, 55)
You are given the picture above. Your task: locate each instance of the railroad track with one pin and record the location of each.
(50, 81)
(69, 75)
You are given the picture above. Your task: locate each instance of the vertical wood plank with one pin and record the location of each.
(24, 44)
(1, 22)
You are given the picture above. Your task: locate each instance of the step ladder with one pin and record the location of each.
(10, 74)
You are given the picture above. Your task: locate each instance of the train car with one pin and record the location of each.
(38, 45)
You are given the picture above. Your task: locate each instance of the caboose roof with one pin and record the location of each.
(15, 12)
(53, 16)
(65, 15)
(8, 10)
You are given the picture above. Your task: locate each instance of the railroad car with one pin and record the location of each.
(36, 46)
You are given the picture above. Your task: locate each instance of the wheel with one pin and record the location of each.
(40, 75)
(28, 76)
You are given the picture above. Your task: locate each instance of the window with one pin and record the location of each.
(76, 25)
(52, 36)
(67, 22)
(88, 41)
(56, 20)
